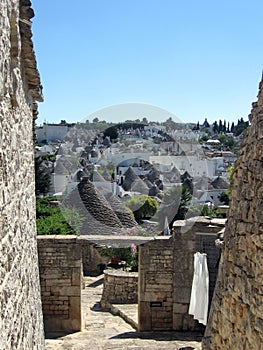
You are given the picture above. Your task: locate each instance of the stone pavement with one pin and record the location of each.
(103, 330)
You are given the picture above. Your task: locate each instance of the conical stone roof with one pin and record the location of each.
(153, 174)
(202, 183)
(154, 190)
(106, 175)
(99, 216)
(219, 183)
(60, 168)
(139, 186)
(130, 177)
(148, 182)
(185, 176)
(121, 211)
(96, 177)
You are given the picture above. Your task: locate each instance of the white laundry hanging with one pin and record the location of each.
(200, 289)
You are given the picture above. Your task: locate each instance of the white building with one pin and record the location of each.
(194, 165)
(51, 132)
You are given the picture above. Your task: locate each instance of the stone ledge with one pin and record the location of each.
(120, 273)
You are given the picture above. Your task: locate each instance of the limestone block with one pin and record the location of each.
(144, 316)
(180, 308)
(177, 321)
(76, 276)
(75, 312)
(182, 295)
(154, 296)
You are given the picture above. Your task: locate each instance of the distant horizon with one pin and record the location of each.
(132, 120)
(129, 110)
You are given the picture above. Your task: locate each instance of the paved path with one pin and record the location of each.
(104, 331)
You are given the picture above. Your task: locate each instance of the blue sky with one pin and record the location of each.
(193, 59)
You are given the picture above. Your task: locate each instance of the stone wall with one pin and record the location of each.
(21, 325)
(60, 267)
(166, 274)
(205, 242)
(92, 261)
(155, 304)
(236, 318)
(120, 287)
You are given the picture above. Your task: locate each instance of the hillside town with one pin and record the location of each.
(133, 159)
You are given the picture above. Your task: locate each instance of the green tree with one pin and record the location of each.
(203, 139)
(56, 220)
(206, 124)
(202, 210)
(224, 126)
(73, 218)
(224, 198)
(112, 132)
(240, 127)
(215, 127)
(42, 178)
(143, 207)
(223, 139)
(175, 205)
(230, 176)
(220, 126)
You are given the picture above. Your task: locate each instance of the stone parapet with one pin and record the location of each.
(120, 287)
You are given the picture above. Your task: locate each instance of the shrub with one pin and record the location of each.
(143, 207)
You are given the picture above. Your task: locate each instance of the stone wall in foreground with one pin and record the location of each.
(60, 266)
(166, 268)
(21, 324)
(236, 319)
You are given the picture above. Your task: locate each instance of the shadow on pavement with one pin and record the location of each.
(162, 336)
(96, 283)
(97, 307)
(56, 335)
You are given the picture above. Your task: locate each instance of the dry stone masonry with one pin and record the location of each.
(21, 325)
(155, 304)
(236, 319)
(120, 287)
(60, 266)
(166, 274)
